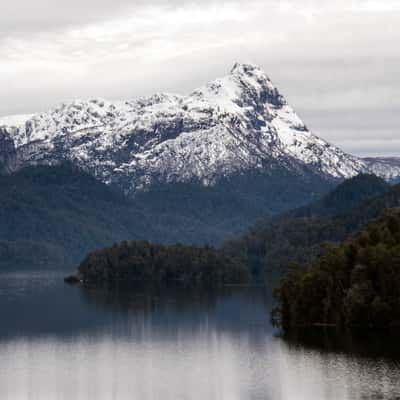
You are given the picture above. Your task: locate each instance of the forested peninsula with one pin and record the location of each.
(142, 261)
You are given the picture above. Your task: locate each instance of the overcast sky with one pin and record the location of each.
(337, 62)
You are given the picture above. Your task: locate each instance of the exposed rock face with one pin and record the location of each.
(8, 158)
(235, 125)
(385, 167)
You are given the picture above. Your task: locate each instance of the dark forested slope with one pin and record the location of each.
(53, 216)
(296, 235)
(356, 282)
(303, 229)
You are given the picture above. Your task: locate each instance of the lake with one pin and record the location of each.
(67, 342)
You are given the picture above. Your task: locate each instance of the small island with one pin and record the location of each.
(142, 261)
(353, 283)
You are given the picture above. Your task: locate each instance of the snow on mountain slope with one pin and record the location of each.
(385, 167)
(236, 124)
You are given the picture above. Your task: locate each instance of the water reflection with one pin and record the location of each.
(61, 342)
(358, 342)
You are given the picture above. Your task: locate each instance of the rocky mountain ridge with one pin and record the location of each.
(385, 167)
(233, 126)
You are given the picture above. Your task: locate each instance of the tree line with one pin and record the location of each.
(142, 261)
(353, 283)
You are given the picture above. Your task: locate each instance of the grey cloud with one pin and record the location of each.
(361, 132)
(22, 16)
(42, 15)
(26, 16)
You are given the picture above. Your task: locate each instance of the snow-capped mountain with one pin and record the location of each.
(237, 124)
(385, 167)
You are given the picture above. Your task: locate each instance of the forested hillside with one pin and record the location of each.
(296, 236)
(51, 217)
(293, 236)
(355, 282)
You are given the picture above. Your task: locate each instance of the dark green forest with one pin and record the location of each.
(353, 283)
(271, 246)
(52, 216)
(141, 261)
(293, 236)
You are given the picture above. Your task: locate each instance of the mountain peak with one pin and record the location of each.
(246, 69)
(246, 90)
(252, 74)
(237, 124)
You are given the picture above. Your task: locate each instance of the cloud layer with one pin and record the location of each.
(331, 59)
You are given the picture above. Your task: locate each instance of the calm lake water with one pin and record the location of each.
(64, 342)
